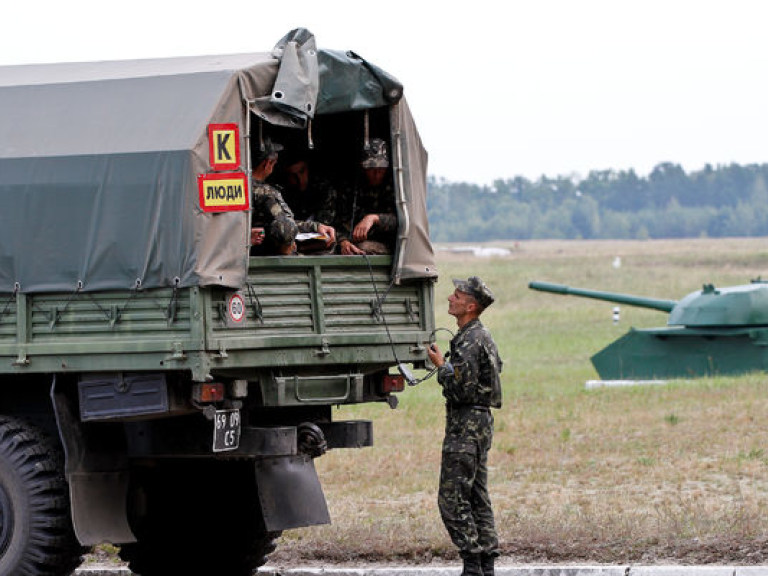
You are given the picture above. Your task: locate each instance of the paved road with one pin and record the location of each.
(454, 570)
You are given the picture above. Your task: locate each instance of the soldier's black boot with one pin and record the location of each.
(472, 566)
(486, 564)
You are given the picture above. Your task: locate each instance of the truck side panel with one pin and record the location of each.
(303, 313)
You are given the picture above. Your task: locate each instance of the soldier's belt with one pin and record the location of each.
(452, 406)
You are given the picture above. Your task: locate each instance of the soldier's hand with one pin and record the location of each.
(435, 356)
(349, 249)
(360, 232)
(327, 231)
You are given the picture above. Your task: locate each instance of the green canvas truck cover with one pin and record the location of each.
(103, 165)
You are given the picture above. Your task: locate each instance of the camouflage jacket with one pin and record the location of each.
(356, 202)
(472, 377)
(267, 204)
(317, 204)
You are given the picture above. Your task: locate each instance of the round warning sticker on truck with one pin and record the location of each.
(223, 192)
(236, 308)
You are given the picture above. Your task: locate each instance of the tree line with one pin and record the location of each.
(729, 200)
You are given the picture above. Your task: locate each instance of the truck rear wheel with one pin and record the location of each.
(198, 518)
(36, 535)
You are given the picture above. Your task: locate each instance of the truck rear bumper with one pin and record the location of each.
(176, 438)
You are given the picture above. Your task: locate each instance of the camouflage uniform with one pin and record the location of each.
(270, 211)
(471, 386)
(317, 204)
(358, 201)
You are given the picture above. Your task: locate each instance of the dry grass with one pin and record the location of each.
(646, 474)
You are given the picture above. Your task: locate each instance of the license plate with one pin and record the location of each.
(226, 430)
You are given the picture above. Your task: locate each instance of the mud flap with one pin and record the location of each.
(290, 493)
(98, 508)
(97, 472)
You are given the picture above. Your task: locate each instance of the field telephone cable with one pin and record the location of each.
(405, 372)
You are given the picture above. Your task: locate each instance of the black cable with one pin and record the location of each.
(435, 369)
(436, 330)
(380, 304)
(402, 368)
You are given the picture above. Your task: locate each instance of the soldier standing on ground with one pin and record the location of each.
(471, 387)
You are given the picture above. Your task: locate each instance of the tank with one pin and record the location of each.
(713, 331)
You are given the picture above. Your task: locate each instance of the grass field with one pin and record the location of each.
(677, 472)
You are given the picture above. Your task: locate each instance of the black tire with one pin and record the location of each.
(36, 535)
(198, 518)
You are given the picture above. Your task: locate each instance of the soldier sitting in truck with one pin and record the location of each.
(274, 227)
(312, 197)
(367, 220)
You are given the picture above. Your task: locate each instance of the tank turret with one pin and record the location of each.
(745, 305)
(710, 331)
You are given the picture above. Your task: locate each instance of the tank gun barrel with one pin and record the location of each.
(628, 299)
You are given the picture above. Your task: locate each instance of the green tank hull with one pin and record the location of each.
(678, 352)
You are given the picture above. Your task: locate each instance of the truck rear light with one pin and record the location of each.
(393, 383)
(213, 392)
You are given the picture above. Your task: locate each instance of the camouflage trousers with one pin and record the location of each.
(373, 247)
(463, 499)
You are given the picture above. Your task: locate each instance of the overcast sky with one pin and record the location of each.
(498, 88)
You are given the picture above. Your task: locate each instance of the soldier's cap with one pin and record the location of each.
(375, 154)
(475, 287)
(266, 149)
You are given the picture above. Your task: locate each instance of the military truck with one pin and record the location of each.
(162, 389)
